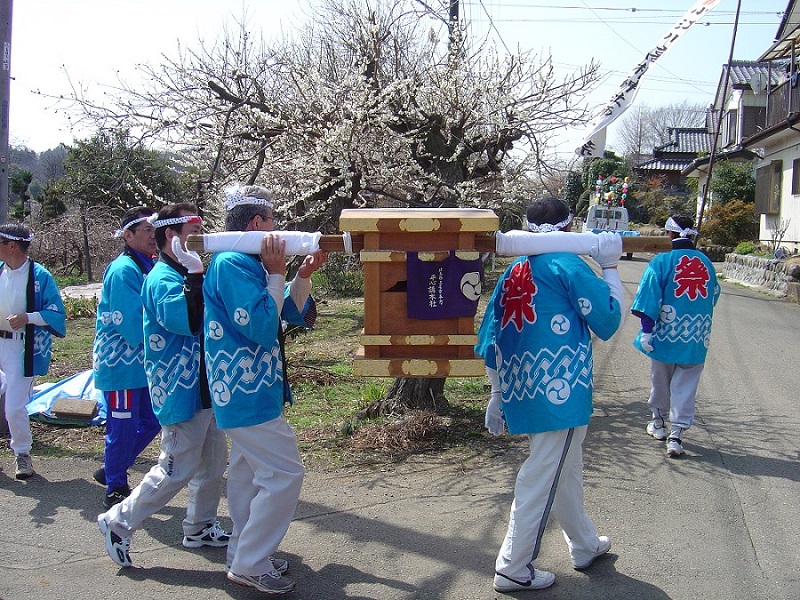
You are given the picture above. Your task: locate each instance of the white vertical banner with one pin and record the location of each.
(594, 142)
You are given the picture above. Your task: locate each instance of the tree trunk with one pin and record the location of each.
(86, 250)
(409, 394)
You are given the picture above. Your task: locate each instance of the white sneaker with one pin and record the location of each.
(603, 548)
(674, 447)
(541, 580)
(660, 433)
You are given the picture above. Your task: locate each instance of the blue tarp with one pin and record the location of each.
(621, 232)
(80, 385)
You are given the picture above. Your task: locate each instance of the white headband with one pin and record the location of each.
(234, 196)
(156, 222)
(671, 225)
(16, 238)
(119, 232)
(548, 227)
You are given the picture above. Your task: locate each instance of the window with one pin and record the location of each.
(775, 197)
(730, 123)
(768, 188)
(796, 176)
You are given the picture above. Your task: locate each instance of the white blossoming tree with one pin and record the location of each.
(376, 103)
(371, 102)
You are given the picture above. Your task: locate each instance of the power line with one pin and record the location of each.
(632, 10)
(634, 21)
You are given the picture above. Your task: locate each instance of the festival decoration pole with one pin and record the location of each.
(594, 142)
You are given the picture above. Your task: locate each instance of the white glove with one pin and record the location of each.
(608, 250)
(3, 383)
(494, 421)
(646, 340)
(611, 277)
(189, 259)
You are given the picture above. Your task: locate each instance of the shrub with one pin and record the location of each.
(730, 223)
(745, 248)
(80, 307)
(341, 276)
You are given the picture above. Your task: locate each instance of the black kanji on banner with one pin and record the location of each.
(443, 289)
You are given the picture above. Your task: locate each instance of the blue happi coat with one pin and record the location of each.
(118, 352)
(536, 334)
(171, 352)
(44, 297)
(245, 370)
(678, 291)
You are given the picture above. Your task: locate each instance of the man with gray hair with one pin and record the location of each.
(247, 373)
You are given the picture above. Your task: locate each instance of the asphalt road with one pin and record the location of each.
(721, 522)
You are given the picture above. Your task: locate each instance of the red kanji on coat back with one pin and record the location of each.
(692, 277)
(517, 297)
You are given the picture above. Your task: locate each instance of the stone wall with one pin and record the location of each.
(769, 273)
(716, 253)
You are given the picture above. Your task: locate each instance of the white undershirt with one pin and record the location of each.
(13, 295)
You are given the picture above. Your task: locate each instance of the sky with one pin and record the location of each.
(57, 44)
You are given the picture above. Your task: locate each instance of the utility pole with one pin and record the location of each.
(6, 8)
(5, 92)
(723, 102)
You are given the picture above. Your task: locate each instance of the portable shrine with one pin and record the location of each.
(425, 263)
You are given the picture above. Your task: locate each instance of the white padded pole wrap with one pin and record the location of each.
(298, 243)
(526, 243)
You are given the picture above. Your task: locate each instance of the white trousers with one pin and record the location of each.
(550, 481)
(674, 390)
(18, 393)
(194, 454)
(264, 480)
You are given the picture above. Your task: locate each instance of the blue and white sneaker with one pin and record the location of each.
(118, 547)
(211, 535)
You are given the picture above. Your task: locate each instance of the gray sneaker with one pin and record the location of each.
(24, 466)
(269, 583)
(280, 565)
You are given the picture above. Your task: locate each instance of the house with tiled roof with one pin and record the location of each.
(741, 104)
(670, 159)
(778, 141)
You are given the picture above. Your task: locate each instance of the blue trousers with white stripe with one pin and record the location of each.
(130, 427)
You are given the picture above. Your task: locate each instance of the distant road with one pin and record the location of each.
(721, 522)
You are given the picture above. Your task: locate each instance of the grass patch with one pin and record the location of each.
(327, 396)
